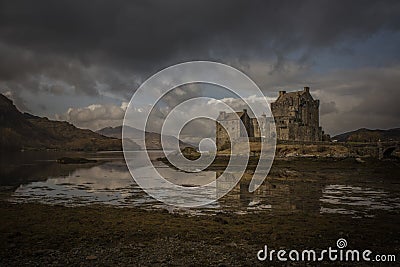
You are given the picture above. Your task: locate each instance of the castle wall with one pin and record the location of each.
(233, 129)
(296, 117)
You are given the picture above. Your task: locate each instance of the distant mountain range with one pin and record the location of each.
(367, 135)
(25, 131)
(153, 140)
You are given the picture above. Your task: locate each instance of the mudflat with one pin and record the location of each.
(304, 215)
(34, 234)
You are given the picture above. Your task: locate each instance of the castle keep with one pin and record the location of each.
(296, 117)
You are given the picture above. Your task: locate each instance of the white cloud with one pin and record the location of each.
(95, 116)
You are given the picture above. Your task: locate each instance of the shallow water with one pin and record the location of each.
(109, 182)
(356, 200)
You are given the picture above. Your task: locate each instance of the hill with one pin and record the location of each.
(153, 140)
(367, 135)
(26, 131)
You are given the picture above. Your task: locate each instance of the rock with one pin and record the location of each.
(91, 257)
(292, 154)
(359, 160)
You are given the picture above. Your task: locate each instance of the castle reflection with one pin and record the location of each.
(277, 195)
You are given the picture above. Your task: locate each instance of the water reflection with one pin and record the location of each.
(109, 182)
(21, 168)
(355, 200)
(242, 201)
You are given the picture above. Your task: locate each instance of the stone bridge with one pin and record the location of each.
(377, 149)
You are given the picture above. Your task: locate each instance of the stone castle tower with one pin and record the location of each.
(296, 117)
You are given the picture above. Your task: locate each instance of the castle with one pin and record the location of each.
(296, 117)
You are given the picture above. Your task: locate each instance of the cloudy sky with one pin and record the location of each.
(81, 61)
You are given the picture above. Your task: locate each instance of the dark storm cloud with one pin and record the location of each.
(150, 34)
(368, 91)
(366, 97)
(115, 31)
(107, 48)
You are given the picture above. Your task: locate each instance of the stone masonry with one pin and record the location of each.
(296, 117)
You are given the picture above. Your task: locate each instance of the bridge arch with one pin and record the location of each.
(387, 152)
